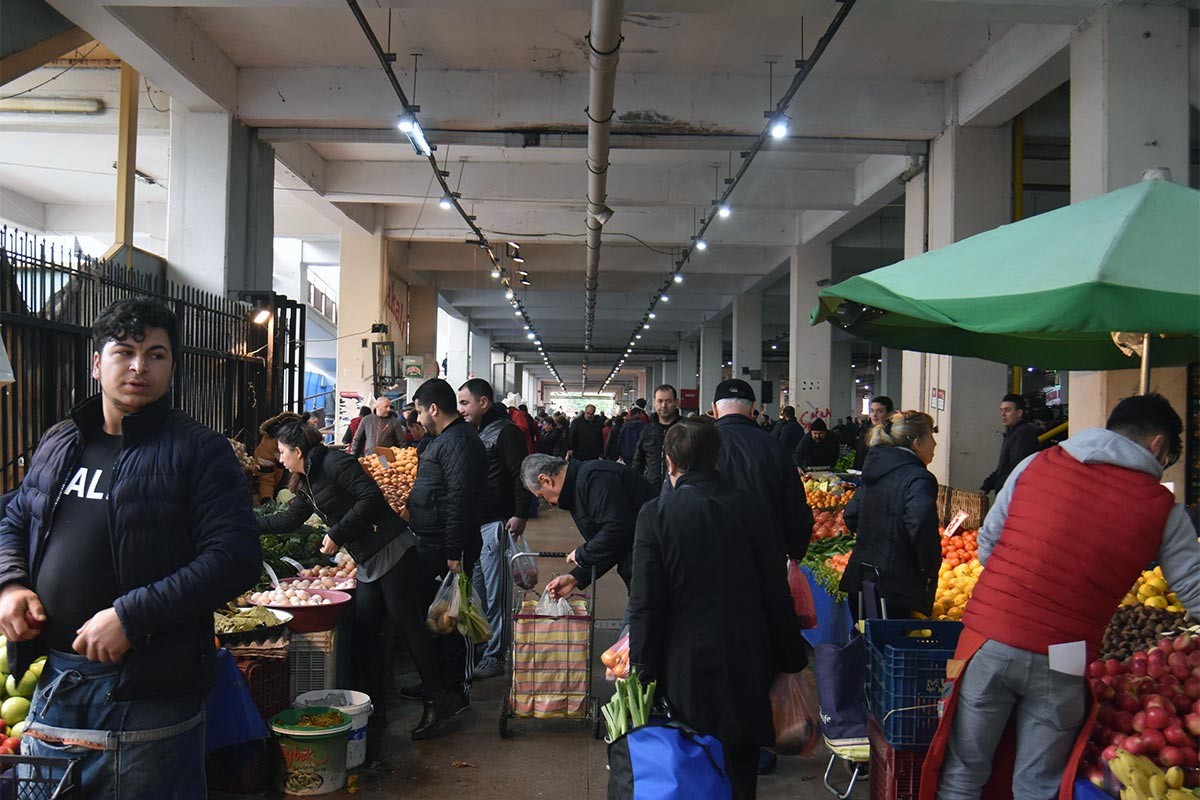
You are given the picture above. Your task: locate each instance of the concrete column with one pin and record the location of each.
(891, 374)
(363, 262)
(913, 392)
(670, 374)
(220, 206)
(841, 380)
(970, 191)
(712, 351)
(747, 341)
(1129, 112)
(689, 361)
(422, 330)
(479, 364)
(809, 346)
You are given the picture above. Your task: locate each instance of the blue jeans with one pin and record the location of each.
(128, 748)
(489, 584)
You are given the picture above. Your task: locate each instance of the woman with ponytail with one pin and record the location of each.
(895, 516)
(335, 487)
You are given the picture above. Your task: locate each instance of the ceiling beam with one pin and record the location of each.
(877, 183)
(532, 139)
(653, 103)
(1023, 66)
(165, 46)
(633, 185)
(301, 169)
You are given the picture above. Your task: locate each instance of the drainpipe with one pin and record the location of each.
(604, 42)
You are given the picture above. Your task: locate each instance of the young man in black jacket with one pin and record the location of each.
(131, 527)
(444, 513)
(504, 510)
(1020, 442)
(603, 499)
(585, 439)
(649, 458)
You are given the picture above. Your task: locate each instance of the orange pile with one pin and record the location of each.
(960, 549)
(838, 562)
(827, 501)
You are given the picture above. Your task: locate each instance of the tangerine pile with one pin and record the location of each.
(960, 549)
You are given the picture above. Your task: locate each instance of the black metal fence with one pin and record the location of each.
(232, 373)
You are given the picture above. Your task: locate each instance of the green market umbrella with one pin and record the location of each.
(1047, 291)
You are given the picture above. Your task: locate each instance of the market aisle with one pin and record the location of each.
(552, 759)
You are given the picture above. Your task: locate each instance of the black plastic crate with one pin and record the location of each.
(25, 777)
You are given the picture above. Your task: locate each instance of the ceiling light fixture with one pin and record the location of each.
(410, 127)
(723, 212)
(446, 203)
(652, 315)
(495, 272)
(678, 278)
(779, 126)
(665, 299)
(508, 294)
(701, 245)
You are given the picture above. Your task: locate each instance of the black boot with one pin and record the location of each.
(433, 714)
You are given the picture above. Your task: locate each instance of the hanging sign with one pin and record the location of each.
(414, 367)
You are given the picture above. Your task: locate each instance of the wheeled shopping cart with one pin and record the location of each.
(551, 656)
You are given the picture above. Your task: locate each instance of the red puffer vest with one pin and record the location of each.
(1074, 541)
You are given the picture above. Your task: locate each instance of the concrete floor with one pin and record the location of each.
(553, 759)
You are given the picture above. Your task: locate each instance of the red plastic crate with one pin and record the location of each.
(269, 681)
(895, 774)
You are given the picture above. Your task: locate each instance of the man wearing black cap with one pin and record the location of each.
(756, 462)
(817, 448)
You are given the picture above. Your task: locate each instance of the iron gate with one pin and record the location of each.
(230, 375)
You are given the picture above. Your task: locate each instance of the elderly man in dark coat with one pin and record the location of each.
(710, 615)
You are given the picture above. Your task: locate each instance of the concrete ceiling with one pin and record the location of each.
(502, 86)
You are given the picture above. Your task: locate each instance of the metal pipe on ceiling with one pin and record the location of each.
(604, 43)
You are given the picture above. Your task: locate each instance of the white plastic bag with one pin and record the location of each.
(524, 565)
(549, 607)
(443, 614)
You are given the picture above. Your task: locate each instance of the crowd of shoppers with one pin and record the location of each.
(152, 529)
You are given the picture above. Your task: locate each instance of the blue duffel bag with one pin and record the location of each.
(664, 760)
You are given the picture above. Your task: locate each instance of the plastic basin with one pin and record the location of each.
(311, 619)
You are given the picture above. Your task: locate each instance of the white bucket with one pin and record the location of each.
(357, 705)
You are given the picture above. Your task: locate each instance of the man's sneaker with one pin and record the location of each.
(488, 667)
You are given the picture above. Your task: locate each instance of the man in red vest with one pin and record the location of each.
(1071, 530)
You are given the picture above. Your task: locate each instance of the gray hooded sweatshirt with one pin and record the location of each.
(1179, 552)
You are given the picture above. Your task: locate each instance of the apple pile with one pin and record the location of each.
(1149, 706)
(17, 692)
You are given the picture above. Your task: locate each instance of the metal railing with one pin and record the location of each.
(231, 374)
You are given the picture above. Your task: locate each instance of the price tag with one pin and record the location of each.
(956, 523)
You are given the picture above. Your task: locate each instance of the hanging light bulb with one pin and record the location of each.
(665, 299)
(646, 326)
(779, 126)
(701, 245)
(446, 203)
(508, 294)
(724, 211)
(652, 315)
(678, 278)
(495, 272)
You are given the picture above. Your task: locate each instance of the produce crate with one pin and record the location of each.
(313, 659)
(906, 662)
(269, 681)
(25, 777)
(895, 774)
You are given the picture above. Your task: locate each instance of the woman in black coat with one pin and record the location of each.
(334, 486)
(895, 516)
(710, 614)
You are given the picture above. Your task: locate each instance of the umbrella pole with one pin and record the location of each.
(1144, 383)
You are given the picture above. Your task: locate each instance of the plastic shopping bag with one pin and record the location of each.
(616, 658)
(443, 613)
(802, 599)
(794, 711)
(549, 607)
(524, 565)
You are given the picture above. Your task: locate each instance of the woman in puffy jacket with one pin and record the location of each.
(335, 487)
(895, 516)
